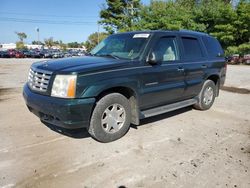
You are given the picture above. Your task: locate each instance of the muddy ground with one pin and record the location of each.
(184, 148)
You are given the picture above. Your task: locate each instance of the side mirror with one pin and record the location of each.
(152, 60)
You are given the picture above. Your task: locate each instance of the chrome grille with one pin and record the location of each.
(38, 79)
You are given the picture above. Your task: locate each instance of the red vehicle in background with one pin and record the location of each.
(12, 52)
(234, 59)
(246, 59)
(19, 54)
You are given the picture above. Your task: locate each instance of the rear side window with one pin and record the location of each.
(213, 47)
(192, 48)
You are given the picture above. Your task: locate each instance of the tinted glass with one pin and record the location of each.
(192, 48)
(124, 46)
(166, 49)
(213, 47)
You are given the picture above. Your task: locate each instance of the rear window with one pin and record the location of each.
(192, 48)
(213, 47)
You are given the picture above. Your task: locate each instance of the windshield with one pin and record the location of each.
(121, 46)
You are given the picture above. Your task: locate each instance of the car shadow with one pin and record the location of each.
(83, 133)
(162, 116)
(73, 133)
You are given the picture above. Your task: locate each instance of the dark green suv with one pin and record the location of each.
(127, 77)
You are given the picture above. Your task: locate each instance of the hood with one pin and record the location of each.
(79, 64)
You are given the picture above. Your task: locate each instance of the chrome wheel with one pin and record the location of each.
(208, 95)
(113, 118)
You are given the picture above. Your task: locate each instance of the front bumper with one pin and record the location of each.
(66, 113)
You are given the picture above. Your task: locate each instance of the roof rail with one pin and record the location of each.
(195, 32)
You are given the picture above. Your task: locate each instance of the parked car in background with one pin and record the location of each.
(48, 54)
(234, 59)
(35, 54)
(67, 54)
(26, 53)
(4, 54)
(81, 54)
(246, 59)
(57, 54)
(12, 52)
(19, 54)
(42, 53)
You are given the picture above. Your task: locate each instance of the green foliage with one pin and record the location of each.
(21, 36)
(37, 42)
(167, 15)
(49, 42)
(243, 22)
(218, 18)
(229, 24)
(20, 45)
(119, 15)
(74, 45)
(244, 48)
(93, 40)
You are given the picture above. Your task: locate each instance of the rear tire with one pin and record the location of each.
(206, 96)
(111, 118)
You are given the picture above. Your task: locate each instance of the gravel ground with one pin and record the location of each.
(184, 148)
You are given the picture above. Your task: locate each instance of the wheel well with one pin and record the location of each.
(127, 92)
(130, 95)
(216, 80)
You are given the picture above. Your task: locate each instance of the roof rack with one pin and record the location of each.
(195, 32)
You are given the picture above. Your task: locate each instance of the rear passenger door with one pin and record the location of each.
(163, 83)
(194, 63)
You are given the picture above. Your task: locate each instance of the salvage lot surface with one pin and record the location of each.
(184, 148)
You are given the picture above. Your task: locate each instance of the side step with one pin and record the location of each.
(167, 108)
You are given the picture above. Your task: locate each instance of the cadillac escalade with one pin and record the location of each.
(127, 77)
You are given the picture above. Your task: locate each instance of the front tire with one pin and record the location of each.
(206, 96)
(111, 118)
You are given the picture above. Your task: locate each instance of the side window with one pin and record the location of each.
(192, 48)
(166, 49)
(213, 47)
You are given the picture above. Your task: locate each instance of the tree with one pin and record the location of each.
(93, 40)
(227, 20)
(20, 43)
(62, 45)
(119, 15)
(74, 45)
(49, 42)
(229, 24)
(21, 36)
(37, 42)
(218, 17)
(168, 15)
(242, 25)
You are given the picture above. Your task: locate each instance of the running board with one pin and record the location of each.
(167, 108)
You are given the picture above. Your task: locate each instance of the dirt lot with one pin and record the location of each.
(184, 148)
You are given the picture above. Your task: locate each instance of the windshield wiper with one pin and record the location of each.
(108, 55)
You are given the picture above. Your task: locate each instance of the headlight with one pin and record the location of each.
(64, 86)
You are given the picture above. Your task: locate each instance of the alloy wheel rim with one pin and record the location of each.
(113, 118)
(208, 95)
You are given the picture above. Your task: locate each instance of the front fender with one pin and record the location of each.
(96, 88)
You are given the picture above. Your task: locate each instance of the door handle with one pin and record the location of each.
(203, 66)
(181, 69)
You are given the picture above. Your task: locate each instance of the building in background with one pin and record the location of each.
(7, 46)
